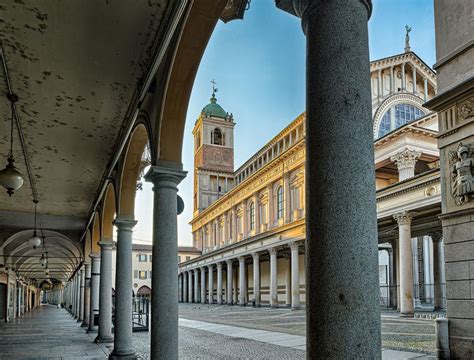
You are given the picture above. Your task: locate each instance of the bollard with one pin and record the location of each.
(442, 338)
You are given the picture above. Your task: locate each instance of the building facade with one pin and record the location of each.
(250, 223)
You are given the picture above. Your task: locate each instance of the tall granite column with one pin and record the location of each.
(95, 284)
(341, 246)
(190, 285)
(203, 285)
(230, 279)
(211, 283)
(180, 287)
(219, 283)
(123, 283)
(256, 278)
(242, 281)
(288, 280)
(406, 263)
(164, 307)
(196, 285)
(81, 294)
(105, 292)
(273, 278)
(438, 271)
(185, 286)
(295, 276)
(87, 294)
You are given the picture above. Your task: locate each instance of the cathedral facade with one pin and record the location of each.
(249, 222)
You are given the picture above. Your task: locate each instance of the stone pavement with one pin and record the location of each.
(47, 333)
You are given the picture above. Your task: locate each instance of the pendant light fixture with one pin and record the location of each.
(10, 177)
(35, 240)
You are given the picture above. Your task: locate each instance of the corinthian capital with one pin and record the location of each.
(406, 159)
(404, 218)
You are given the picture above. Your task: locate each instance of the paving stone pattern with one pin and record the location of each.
(47, 333)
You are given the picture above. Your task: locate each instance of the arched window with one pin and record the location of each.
(398, 116)
(217, 137)
(252, 215)
(280, 205)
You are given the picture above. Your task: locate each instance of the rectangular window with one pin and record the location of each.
(149, 274)
(142, 275)
(141, 257)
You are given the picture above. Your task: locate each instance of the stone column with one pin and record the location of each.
(185, 286)
(257, 214)
(406, 161)
(425, 89)
(229, 283)
(105, 292)
(406, 263)
(286, 198)
(438, 267)
(81, 295)
(379, 85)
(295, 276)
(341, 240)
(288, 280)
(211, 283)
(95, 283)
(123, 347)
(180, 287)
(164, 307)
(77, 286)
(256, 278)
(245, 219)
(404, 80)
(242, 281)
(196, 286)
(203, 285)
(273, 278)
(219, 283)
(190, 284)
(414, 79)
(392, 81)
(87, 294)
(392, 277)
(416, 279)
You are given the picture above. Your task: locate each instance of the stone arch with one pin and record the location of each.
(139, 138)
(193, 39)
(109, 209)
(144, 291)
(392, 101)
(96, 235)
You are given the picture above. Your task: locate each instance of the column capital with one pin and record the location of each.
(404, 218)
(304, 8)
(106, 244)
(124, 223)
(165, 174)
(219, 265)
(229, 262)
(255, 256)
(210, 267)
(406, 159)
(436, 236)
(294, 245)
(202, 268)
(272, 251)
(241, 258)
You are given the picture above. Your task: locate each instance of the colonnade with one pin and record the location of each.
(196, 285)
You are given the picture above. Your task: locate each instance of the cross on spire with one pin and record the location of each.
(214, 89)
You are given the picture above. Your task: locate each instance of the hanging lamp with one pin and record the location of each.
(10, 177)
(35, 240)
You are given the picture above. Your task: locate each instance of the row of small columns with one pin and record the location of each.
(407, 304)
(189, 281)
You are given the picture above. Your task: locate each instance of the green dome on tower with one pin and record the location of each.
(214, 109)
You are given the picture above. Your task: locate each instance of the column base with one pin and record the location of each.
(124, 354)
(104, 339)
(407, 315)
(79, 320)
(296, 308)
(84, 325)
(91, 331)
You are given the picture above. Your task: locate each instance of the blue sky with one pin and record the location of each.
(259, 67)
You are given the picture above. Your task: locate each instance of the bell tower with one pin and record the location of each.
(213, 153)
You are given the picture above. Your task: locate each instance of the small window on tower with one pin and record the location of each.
(217, 137)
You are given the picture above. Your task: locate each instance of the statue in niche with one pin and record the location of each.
(462, 174)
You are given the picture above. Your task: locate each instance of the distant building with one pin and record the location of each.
(250, 222)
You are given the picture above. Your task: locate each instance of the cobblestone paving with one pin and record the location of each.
(400, 334)
(47, 333)
(203, 345)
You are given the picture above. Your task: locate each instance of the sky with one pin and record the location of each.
(259, 67)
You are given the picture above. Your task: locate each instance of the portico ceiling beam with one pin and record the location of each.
(134, 108)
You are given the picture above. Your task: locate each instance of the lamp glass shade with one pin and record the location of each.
(35, 241)
(10, 178)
